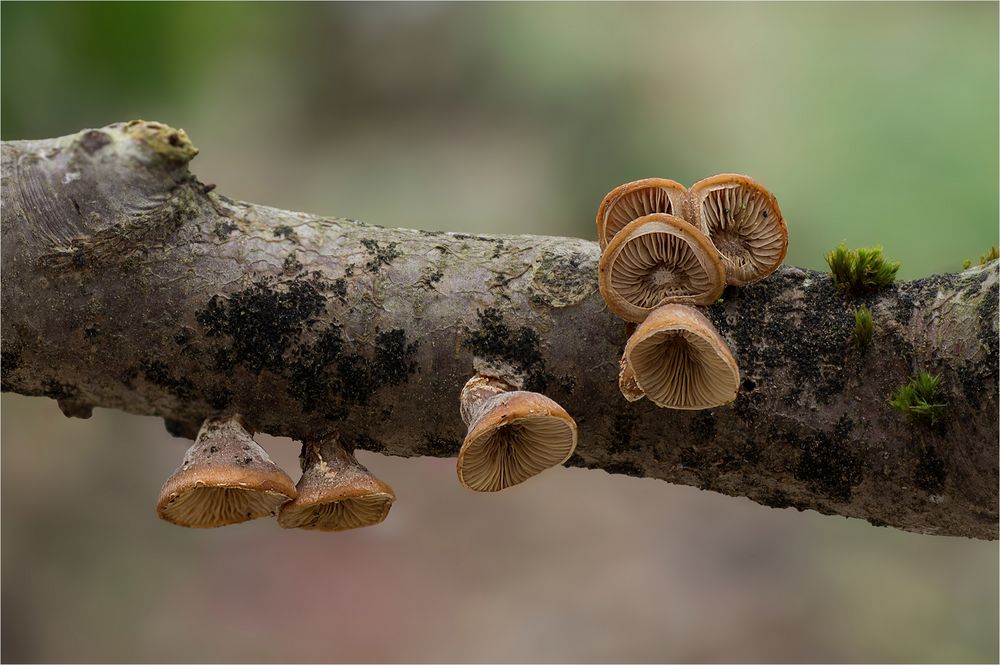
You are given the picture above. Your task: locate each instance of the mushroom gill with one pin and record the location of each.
(744, 223)
(637, 199)
(680, 361)
(225, 478)
(336, 492)
(513, 435)
(659, 259)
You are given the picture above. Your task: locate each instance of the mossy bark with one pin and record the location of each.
(128, 284)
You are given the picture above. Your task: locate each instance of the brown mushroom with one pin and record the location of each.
(513, 435)
(336, 492)
(637, 199)
(680, 361)
(659, 259)
(225, 478)
(744, 222)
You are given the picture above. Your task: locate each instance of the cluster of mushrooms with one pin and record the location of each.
(227, 478)
(665, 249)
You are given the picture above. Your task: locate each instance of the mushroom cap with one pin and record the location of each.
(336, 493)
(518, 435)
(680, 361)
(659, 259)
(744, 222)
(225, 478)
(634, 200)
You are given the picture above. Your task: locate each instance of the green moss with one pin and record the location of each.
(991, 255)
(921, 399)
(863, 329)
(860, 271)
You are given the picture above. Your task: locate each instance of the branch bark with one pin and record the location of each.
(128, 284)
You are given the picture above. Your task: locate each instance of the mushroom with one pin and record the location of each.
(636, 199)
(336, 492)
(659, 259)
(679, 360)
(744, 222)
(225, 478)
(513, 435)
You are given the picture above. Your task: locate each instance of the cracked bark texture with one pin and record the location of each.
(128, 284)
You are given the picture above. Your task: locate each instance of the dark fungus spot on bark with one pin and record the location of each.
(219, 397)
(157, 373)
(702, 426)
(340, 289)
(520, 347)
(692, 457)
(620, 434)
(10, 359)
(92, 331)
(93, 141)
(262, 321)
(760, 312)
(439, 446)
(624, 468)
(291, 265)
(827, 463)
(286, 232)
(930, 472)
(223, 229)
(183, 336)
(326, 376)
(576, 460)
(381, 255)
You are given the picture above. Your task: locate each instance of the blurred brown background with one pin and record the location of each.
(872, 123)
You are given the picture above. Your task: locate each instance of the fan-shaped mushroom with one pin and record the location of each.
(225, 478)
(680, 361)
(336, 492)
(744, 222)
(659, 259)
(637, 199)
(513, 435)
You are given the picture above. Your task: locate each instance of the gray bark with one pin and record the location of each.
(128, 284)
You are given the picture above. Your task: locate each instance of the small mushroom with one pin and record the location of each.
(336, 492)
(744, 222)
(659, 259)
(513, 435)
(225, 478)
(680, 362)
(637, 199)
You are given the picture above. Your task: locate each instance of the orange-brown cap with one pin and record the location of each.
(680, 361)
(659, 259)
(744, 222)
(225, 478)
(512, 437)
(336, 492)
(634, 200)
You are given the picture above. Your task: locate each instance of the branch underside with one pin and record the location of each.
(127, 284)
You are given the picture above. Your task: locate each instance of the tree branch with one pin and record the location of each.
(128, 284)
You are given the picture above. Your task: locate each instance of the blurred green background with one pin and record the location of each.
(872, 124)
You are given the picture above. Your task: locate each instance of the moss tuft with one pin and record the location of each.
(861, 271)
(863, 329)
(921, 399)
